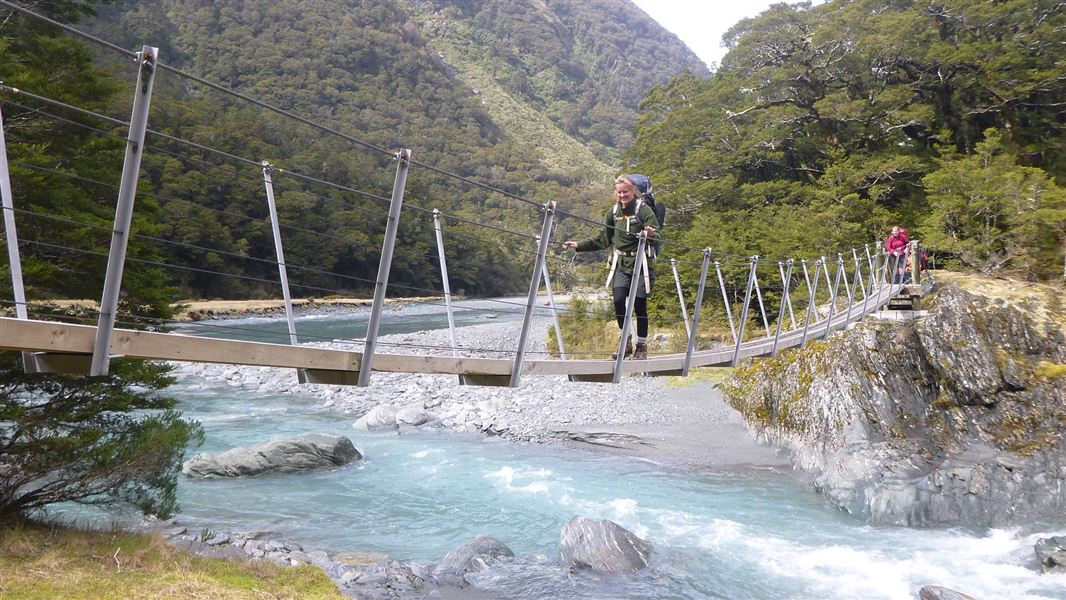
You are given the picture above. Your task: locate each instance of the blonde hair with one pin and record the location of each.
(626, 179)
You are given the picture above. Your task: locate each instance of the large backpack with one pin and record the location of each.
(647, 197)
(645, 189)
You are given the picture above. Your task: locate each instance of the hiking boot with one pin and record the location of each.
(628, 351)
(641, 352)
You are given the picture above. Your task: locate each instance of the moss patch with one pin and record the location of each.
(1050, 371)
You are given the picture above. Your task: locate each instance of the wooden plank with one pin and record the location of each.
(337, 366)
(329, 377)
(67, 364)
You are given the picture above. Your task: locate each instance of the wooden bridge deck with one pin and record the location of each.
(57, 341)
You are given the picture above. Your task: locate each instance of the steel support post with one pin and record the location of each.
(786, 287)
(807, 277)
(833, 295)
(858, 269)
(275, 227)
(403, 164)
(847, 287)
(534, 287)
(744, 311)
(693, 331)
(762, 307)
(555, 312)
(631, 302)
(445, 284)
(916, 266)
(856, 280)
(781, 314)
(680, 296)
(889, 276)
(828, 283)
(725, 301)
(873, 290)
(14, 259)
(810, 303)
(131, 167)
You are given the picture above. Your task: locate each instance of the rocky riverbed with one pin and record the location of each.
(650, 416)
(679, 424)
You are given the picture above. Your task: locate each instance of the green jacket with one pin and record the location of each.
(620, 232)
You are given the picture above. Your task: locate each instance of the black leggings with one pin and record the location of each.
(640, 310)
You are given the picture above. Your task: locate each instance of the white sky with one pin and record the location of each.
(701, 23)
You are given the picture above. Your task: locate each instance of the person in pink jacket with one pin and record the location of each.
(896, 247)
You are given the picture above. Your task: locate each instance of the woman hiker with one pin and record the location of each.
(621, 228)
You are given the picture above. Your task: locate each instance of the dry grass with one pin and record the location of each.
(701, 375)
(42, 562)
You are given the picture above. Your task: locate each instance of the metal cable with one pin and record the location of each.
(68, 28)
(318, 126)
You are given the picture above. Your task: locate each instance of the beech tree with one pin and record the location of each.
(108, 441)
(114, 440)
(828, 124)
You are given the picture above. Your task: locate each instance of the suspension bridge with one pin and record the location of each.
(857, 282)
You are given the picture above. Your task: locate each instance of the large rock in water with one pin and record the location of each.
(602, 546)
(473, 556)
(1051, 552)
(303, 453)
(936, 592)
(952, 419)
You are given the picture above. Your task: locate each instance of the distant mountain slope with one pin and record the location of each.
(581, 65)
(534, 98)
(560, 79)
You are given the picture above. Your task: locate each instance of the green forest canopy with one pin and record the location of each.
(827, 125)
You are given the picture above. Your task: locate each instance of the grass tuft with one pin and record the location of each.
(42, 562)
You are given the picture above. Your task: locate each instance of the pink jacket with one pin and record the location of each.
(894, 244)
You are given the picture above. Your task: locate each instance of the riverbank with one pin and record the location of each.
(671, 421)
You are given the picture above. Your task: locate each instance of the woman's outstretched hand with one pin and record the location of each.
(569, 245)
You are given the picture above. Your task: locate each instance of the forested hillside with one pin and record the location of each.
(577, 67)
(826, 125)
(371, 69)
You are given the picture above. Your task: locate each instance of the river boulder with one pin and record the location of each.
(602, 546)
(951, 419)
(413, 416)
(302, 453)
(473, 556)
(936, 592)
(379, 418)
(1051, 552)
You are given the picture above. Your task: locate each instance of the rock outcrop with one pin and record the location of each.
(957, 418)
(602, 546)
(303, 453)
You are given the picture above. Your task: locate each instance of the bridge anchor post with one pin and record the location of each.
(631, 302)
(813, 299)
(534, 288)
(694, 330)
(680, 297)
(744, 312)
(403, 160)
(833, 294)
(29, 365)
(147, 59)
(283, 275)
(784, 301)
